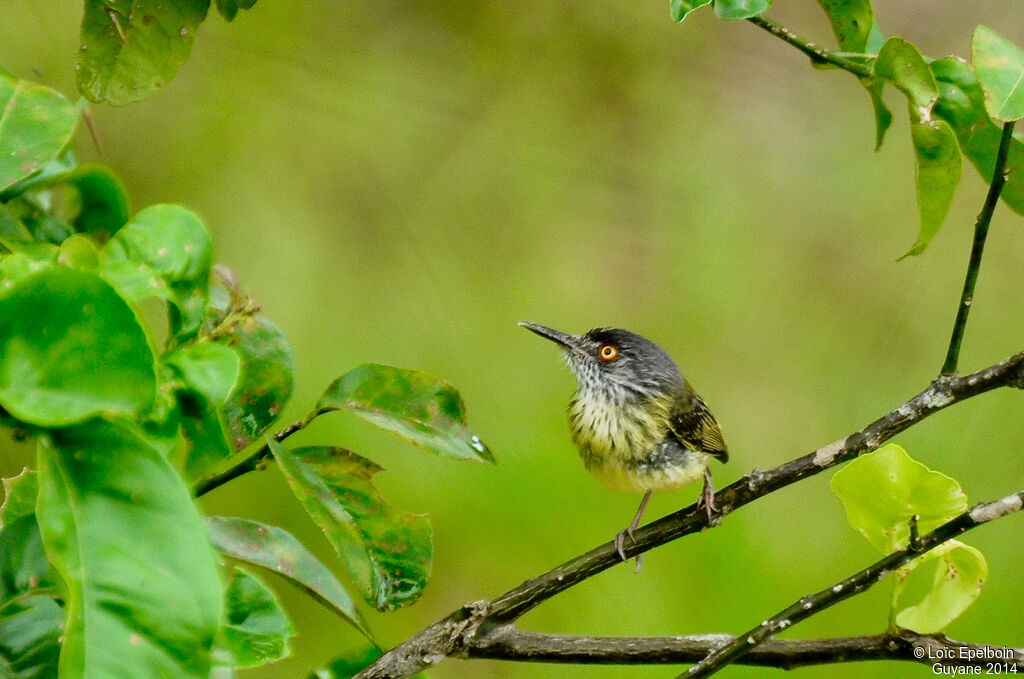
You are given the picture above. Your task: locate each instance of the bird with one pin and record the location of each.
(638, 424)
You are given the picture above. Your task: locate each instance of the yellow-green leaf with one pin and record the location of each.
(882, 490)
(958, 572)
(999, 64)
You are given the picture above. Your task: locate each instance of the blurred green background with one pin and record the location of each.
(401, 182)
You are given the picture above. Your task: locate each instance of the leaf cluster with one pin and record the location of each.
(146, 376)
(955, 108)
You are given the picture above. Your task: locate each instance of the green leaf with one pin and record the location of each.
(264, 382)
(163, 251)
(229, 8)
(103, 199)
(207, 369)
(23, 564)
(11, 226)
(962, 104)
(900, 63)
(740, 9)
(279, 551)
(882, 490)
(852, 22)
(79, 251)
(71, 348)
(418, 407)
(936, 151)
(680, 9)
(883, 116)
(255, 630)
(1000, 67)
(96, 203)
(142, 580)
(131, 48)
(958, 572)
(30, 632)
(961, 101)
(206, 443)
(60, 164)
(206, 374)
(36, 124)
(937, 165)
(387, 552)
(19, 496)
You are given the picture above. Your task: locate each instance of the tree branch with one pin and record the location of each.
(995, 187)
(855, 584)
(450, 635)
(510, 643)
(818, 55)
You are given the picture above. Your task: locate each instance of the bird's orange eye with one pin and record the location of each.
(608, 352)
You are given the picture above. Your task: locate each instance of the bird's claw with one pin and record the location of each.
(620, 543)
(707, 497)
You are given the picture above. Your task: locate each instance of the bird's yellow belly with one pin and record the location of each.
(629, 446)
(639, 477)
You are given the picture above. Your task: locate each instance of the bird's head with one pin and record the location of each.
(615, 362)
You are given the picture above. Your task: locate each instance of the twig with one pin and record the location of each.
(450, 635)
(247, 464)
(818, 54)
(995, 187)
(510, 643)
(815, 603)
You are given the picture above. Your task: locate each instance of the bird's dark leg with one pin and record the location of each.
(620, 538)
(707, 495)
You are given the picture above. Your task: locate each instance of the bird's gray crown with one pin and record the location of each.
(640, 366)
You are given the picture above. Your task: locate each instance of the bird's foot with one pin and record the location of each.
(707, 497)
(620, 543)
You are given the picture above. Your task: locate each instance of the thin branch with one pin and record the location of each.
(818, 55)
(995, 187)
(510, 643)
(855, 584)
(248, 463)
(450, 635)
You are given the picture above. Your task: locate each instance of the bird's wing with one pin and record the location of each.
(696, 428)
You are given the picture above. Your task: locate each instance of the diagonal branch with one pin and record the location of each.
(855, 584)
(451, 635)
(510, 643)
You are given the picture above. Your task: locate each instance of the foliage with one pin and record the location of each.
(138, 374)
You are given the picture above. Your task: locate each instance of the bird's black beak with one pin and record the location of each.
(571, 342)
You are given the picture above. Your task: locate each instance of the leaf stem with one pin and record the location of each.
(995, 187)
(811, 604)
(818, 54)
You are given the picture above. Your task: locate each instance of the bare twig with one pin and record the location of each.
(995, 187)
(510, 643)
(818, 54)
(855, 584)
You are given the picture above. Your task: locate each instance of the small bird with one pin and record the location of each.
(637, 422)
